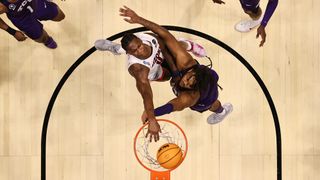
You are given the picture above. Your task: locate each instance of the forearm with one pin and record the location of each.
(7, 28)
(157, 29)
(271, 7)
(146, 93)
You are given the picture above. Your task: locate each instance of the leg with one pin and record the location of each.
(43, 38)
(34, 30)
(60, 15)
(255, 13)
(49, 11)
(216, 107)
(193, 47)
(220, 112)
(47, 40)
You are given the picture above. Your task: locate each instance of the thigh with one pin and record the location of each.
(29, 25)
(46, 10)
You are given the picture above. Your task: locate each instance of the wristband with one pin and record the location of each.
(165, 109)
(11, 31)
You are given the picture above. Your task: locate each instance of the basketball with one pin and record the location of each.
(169, 156)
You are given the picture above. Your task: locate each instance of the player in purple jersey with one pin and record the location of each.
(252, 8)
(196, 87)
(26, 16)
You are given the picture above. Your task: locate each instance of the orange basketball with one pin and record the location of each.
(169, 155)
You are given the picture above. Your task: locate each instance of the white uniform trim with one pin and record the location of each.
(154, 61)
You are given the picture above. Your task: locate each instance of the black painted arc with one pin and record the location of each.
(172, 28)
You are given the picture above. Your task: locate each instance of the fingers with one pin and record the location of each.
(262, 42)
(257, 34)
(126, 7)
(124, 10)
(156, 137)
(153, 135)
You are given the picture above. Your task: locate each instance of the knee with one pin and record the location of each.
(60, 16)
(254, 15)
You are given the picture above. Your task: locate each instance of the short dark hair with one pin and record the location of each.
(126, 39)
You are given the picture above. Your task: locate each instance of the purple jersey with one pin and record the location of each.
(27, 14)
(207, 96)
(253, 5)
(19, 8)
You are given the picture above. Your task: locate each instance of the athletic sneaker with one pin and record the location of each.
(247, 25)
(51, 43)
(106, 45)
(197, 49)
(218, 117)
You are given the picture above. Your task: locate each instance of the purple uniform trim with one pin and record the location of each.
(31, 13)
(271, 7)
(253, 6)
(162, 110)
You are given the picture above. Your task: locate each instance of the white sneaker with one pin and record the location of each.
(106, 45)
(218, 117)
(247, 25)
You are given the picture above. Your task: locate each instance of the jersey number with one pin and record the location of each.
(30, 9)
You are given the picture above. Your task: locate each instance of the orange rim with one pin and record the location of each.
(184, 154)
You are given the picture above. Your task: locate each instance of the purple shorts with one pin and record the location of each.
(250, 5)
(31, 24)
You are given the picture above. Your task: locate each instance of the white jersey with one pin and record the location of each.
(154, 61)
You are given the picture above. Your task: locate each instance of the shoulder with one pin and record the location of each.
(138, 70)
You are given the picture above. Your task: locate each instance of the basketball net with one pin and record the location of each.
(145, 150)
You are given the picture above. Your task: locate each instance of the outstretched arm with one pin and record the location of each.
(184, 59)
(271, 7)
(140, 73)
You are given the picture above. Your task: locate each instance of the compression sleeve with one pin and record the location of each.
(271, 7)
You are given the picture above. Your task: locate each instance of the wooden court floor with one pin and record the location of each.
(97, 113)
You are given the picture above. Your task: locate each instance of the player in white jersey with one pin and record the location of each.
(153, 62)
(148, 60)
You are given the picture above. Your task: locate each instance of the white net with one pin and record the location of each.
(146, 151)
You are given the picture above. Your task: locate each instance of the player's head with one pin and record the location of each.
(197, 78)
(134, 46)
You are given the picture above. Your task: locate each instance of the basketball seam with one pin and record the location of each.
(172, 156)
(168, 150)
